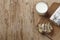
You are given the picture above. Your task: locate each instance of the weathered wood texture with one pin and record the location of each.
(18, 20)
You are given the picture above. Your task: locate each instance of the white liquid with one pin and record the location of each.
(41, 8)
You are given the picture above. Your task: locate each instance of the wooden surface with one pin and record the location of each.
(18, 20)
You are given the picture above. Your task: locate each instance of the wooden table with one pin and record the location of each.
(18, 20)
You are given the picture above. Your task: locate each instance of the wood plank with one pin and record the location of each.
(18, 20)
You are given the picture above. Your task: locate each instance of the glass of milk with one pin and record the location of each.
(41, 8)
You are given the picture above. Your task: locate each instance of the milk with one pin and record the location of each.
(41, 8)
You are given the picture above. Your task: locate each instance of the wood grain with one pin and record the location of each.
(18, 20)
